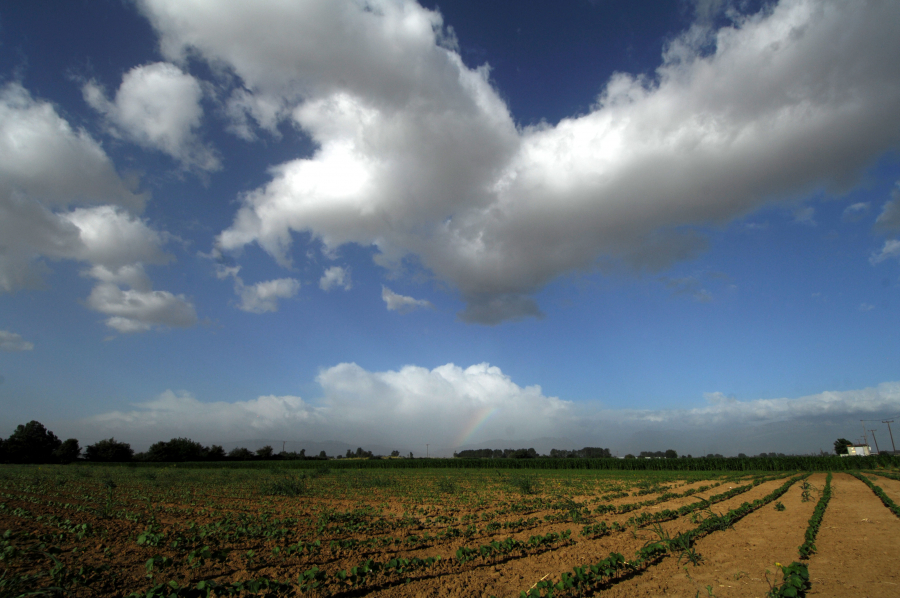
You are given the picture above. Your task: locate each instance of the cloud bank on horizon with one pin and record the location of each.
(418, 155)
(450, 406)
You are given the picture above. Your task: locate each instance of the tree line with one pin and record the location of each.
(588, 452)
(34, 443)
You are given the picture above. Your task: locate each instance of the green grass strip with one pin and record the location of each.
(809, 547)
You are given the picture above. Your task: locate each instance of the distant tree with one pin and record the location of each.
(31, 443)
(302, 454)
(109, 451)
(216, 453)
(474, 454)
(68, 451)
(629, 456)
(265, 452)
(240, 454)
(2, 450)
(840, 446)
(395, 453)
(410, 455)
(594, 452)
(177, 450)
(349, 453)
(322, 455)
(742, 456)
(671, 454)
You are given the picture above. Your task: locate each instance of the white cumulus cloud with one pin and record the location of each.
(134, 310)
(474, 402)
(335, 276)
(402, 303)
(10, 341)
(61, 198)
(419, 156)
(157, 106)
(263, 296)
(449, 406)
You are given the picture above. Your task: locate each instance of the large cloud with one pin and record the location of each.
(418, 155)
(450, 406)
(61, 198)
(157, 106)
(414, 405)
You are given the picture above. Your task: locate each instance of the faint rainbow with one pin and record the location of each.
(479, 418)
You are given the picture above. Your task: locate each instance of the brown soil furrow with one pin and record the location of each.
(511, 577)
(857, 545)
(890, 487)
(734, 561)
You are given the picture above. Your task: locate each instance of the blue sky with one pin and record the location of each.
(626, 225)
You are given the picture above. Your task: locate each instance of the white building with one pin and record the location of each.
(858, 450)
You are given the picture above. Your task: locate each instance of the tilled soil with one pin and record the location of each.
(510, 577)
(737, 561)
(857, 544)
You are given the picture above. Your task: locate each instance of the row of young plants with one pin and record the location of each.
(809, 547)
(367, 572)
(668, 514)
(888, 502)
(796, 581)
(615, 567)
(628, 507)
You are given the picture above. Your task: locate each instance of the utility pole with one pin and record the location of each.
(889, 422)
(876, 441)
(426, 450)
(863, 424)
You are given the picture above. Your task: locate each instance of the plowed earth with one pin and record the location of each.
(428, 513)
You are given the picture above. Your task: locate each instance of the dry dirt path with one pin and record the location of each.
(857, 545)
(735, 561)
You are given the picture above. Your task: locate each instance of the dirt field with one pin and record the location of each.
(159, 532)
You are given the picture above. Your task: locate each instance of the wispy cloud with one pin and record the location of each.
(402, 303)
(10, 341)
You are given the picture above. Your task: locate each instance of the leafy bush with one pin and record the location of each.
(795, 583)
(447, 486)
(525, 484)
(289, 486)
(109, 451)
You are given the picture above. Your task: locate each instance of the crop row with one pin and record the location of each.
(888, 502)
(589, 577)
(809, 547)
